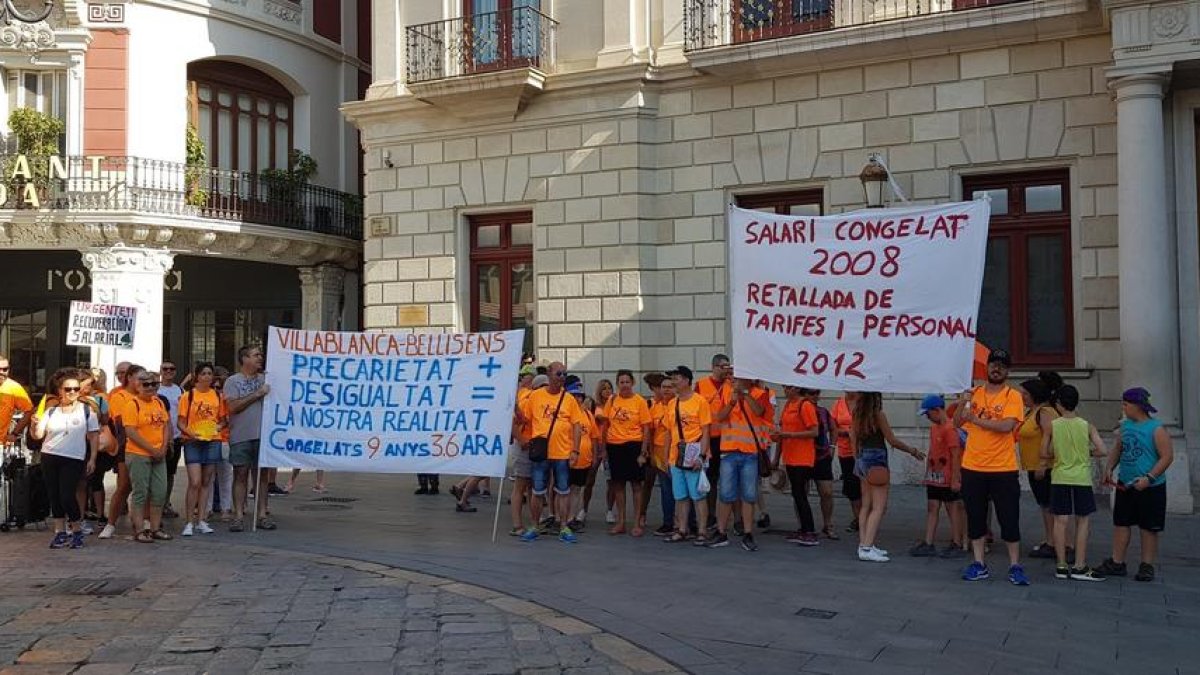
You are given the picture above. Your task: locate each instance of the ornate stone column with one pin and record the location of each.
(133, 277)
(321, 296)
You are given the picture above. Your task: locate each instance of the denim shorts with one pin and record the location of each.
(739, 477)
(684, 484)
(202, 452)
(561, 469)
(869, 458)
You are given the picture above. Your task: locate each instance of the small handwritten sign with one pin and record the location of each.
(92, 324)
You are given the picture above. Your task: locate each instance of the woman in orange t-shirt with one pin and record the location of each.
(201, 419)
(798, 428)
(604, 391)
(581, 465)
(842, 415)
(626, 440)
(656, 467)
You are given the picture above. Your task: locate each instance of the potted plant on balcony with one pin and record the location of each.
(195, 196)
(284, 187)
(38, 137)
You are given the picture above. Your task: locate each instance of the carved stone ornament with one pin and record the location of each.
(1169, 21)
(122, 258)
(282, 11)
(30, 38)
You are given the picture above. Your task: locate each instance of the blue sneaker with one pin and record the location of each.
(530, 535)
(566, 536)
(1016, 576)
(976, 571)
(77, 540)
(60, 540)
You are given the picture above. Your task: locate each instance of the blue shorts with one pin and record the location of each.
(868, 458)
(739, 477)
(684, 484)
(202, 452)
(562, 476)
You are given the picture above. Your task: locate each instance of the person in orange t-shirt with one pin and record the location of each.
(563, 432)
(147, 430)
(13, 398)
(589, 440)
(627, 441)
(127, 389)
(656, 467)
(717, 391)
(688, 421)
(798, 427)
(842, 414)
(748, 421)
(201, 419)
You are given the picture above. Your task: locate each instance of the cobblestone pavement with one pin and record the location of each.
(188, 606)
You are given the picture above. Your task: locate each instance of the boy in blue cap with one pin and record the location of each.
(943, 481)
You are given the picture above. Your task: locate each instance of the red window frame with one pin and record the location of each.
(785, 25)
(1017, 227)
(506, 255)
(237, 80)
(782, 202)
(506, 25)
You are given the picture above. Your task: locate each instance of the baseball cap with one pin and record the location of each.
(681, 370)
(1139, 397)
(1000, 355)
(540, 381)
(932, 402)
(575, 389)
(528, 370)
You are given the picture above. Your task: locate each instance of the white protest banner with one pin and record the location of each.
(92, 324)
(876, 300)
(389, 402)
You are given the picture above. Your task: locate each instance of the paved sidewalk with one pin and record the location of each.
(189, 606)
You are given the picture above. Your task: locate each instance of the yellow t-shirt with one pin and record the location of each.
(694, 414)
(524, 431)
(625, 418)
(201, 414)
(661, 435)
(992, 451)
(539, 407)
(149, 419)
(1029, 438)
(587, 443)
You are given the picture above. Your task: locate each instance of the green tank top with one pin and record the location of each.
(1072, 452)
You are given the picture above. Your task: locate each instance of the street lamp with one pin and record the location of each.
(874, 176)
(9, 12)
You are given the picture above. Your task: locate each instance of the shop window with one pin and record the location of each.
(23, 341)
(791, 203)
(502, 287)
(1026, 305)
(42, 90)
(243, 116)
(216, 334)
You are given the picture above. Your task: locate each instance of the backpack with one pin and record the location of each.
(825, 438)
(35, 444)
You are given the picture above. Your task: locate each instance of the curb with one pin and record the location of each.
(622, 651)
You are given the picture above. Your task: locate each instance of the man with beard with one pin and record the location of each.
(989, 414)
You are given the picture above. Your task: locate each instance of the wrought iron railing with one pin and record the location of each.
(521, 37)
(154, 186)
(716, 23)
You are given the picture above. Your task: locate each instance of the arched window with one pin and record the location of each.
(243, 116)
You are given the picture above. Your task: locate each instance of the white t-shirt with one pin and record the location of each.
(172, 393)
(66, 435)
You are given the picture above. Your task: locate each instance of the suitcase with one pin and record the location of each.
(27, 499)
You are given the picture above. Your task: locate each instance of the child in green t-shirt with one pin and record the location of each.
(1071, 444)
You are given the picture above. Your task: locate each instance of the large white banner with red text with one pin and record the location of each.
(878, 300)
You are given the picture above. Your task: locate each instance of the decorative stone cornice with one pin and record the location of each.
(1153, 32)
(30, 38)
(121, 258)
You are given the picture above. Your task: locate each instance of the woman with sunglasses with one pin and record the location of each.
(201, 419)
(148, 439)
(71, 431)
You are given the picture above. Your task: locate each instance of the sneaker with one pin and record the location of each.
(107, 532)
(566, 536)
(871, 554)
(811, 539)
(1062, 572)
(1110, 568)
(1016, 576)
(60, 540)
(187, 531)
(952, 551)
(422, 491)
(276, 491)
(77, 539)
(1085, 573)
(203, 528)
(610, 518)
(530, 535)
(748, 543)
(581, 516)
(1042, 551)
(764, 521)
(794, 537)
(86, 528)
(664, 531)
(719, 541)
(738, 530)
(1145, 572)
(976, 571)
(853, 526)
(923, 550)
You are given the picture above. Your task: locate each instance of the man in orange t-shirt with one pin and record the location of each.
(717, 391)
(990, 472)
(656, 467)
(13, 398)
(563, 432)
(148, 434)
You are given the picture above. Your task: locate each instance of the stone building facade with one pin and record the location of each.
(609, 162)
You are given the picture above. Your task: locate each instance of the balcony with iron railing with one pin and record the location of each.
(140, 186)
(710, 24)
(521, 37)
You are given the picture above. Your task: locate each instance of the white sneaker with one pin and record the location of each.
(187, 530)
(86, 528)
(581, 516)
(107, 532)
(203, 528)
(145, 525)
(610, 517)
(880, 551)
(871, 554)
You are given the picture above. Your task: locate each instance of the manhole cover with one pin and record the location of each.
(336, 500)
(103, 587)
(322, 507)
(810, 613)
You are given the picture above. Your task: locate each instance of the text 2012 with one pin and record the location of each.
(840, 365)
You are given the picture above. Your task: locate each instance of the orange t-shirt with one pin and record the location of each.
(843, 419)
(694, 414)
(202, 412)
(149, 419)
(661, 435)
(716, 397)
(743, 427)
(588, 442)
(625, 418)
(524, 431)
(539, 407)
(992, 450)
(13, 397)
(798, 416)
(943, 443)
(117, 400)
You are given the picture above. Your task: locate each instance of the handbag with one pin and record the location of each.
(764, 458)
(538, 447)
(688, 453)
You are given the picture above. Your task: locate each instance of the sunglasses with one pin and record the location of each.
(171, 368)
(4, 369)
(150, 385)
(71, 390)
(558, 373)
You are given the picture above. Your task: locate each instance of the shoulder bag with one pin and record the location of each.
(764, 457)
(538, 447)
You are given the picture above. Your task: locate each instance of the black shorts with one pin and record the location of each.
(941, 493)
(623, 462)
(104, 463)
(1003, 490)
(823, 470)
(578, 477)
(1145, 509)
(1040, 489)
(851, 485)
(1072, 500)
(714, 465)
